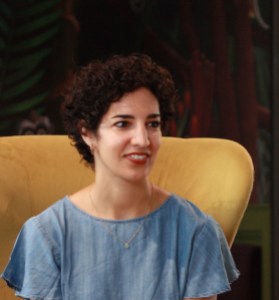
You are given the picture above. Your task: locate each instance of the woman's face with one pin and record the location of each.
(128, 137)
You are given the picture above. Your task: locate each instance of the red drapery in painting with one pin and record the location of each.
(220, 102)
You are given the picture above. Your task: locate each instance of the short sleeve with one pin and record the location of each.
(211, 267)
(33, 270)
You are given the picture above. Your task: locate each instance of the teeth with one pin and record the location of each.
(138, 157)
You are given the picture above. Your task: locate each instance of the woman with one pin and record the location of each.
(121, 237)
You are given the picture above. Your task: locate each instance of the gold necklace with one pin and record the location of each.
(126, 244)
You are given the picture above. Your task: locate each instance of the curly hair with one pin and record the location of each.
(100, 83)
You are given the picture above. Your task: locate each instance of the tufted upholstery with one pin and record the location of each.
(35, 171)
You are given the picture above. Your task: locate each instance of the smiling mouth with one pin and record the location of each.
(138, 158)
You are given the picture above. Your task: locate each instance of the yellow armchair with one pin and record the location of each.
(35, 171)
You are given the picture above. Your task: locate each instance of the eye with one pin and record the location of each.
(121, 124)
(154, 124)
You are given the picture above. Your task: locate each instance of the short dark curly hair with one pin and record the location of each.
(100, 83)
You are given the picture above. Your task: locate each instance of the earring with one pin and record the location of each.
(92, 148)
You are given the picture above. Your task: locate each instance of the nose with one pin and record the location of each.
(140, 137)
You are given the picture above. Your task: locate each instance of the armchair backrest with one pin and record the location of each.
(35, 171)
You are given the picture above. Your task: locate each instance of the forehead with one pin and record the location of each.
(139, 101)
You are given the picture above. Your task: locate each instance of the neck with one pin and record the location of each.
(124, 201)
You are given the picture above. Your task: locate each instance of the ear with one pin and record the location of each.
(88, 136)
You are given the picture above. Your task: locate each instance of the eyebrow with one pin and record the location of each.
(151, 116)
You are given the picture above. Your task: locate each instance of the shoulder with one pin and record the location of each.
(182, 216)
(185, 209)
(49, 221)
(55, 210)
(189, 216)
(204, 228)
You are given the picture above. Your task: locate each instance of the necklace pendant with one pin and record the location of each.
(126, 245)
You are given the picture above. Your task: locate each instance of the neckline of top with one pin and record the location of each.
(67, 200)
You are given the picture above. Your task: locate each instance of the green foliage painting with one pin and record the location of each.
(27, 31)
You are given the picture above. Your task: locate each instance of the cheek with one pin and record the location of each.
(114, 142)
(156, 142)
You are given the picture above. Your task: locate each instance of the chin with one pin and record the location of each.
(137, 177)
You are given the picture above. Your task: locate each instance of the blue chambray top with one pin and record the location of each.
(65, 253)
